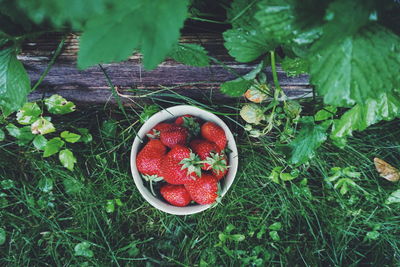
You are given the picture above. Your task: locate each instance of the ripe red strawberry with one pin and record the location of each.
(176, 195)
(214, 133)
(148, 160)
(172, 166)
(175, 135)
(155, 132)
(204, 149)
(203, 190)
(180, 120)
(219, 174)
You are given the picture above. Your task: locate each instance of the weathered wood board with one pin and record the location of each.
(90, 85)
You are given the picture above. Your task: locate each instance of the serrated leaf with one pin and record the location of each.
(2, 236)
(191, 55)
(326, 113)
(53, 146)
(42, 127)
(29, 113)
(67, 159)
(385, 107)
(62, 12)
(295, 66)
(310, 137)
(2, 135)
(45, 185)
(246, 45)
(86, 137)
(70, 137)
(23, 135)
(235, 88)
(149, 26)
(364, 65)
(14, 82)
(83, 249)
(57, 104)
(39, 142)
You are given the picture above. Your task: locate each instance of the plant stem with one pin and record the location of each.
(274, 73)
(51, 63)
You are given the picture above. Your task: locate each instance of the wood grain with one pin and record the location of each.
(90, 85)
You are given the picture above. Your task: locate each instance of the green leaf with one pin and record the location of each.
(326, 113)
(29, 113)
(67, 159)
(109, 129)
(310, 137)
(42, 127)
(357, 67)
(295, 66)
(274, 235)
(284, 176)
(358, 118)
(191, 55)
(276, 226)
(14, 82)
(150, 26)
(2, 135)
(2, 236)
(45, 185)
(237, 237)
(72, 186)
(147, 112)
(57, 104)
(63, 12)
(394, 197)
(7, 184)
(83, 249)
(70, 137)
(23, 135)
(86, 137)
(235, 88)
(110, 207)
(246, 45)
(53, 146)
(39, 142)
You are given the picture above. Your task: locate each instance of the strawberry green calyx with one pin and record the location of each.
(217, 162)
(192, 125)
(152, 179)
(192, 164)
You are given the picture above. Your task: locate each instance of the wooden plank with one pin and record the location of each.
(90, 85)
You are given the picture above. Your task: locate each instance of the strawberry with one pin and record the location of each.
(176, 195)
(204, 148)
(214, 133)
(203, 190)
(180, 120)
(219, 174)
(175, 135)
(180, 166)
(148, 160)
(155, 132)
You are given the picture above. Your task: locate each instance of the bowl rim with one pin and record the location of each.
(174, 112)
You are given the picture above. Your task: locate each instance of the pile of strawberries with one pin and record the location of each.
(188, 157)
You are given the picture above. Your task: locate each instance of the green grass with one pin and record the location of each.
(319, 226)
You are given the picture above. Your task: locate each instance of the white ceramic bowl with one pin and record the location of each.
(169, 114)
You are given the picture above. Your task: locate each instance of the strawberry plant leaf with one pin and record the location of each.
(385, 107)
(29, 113)
(373, 50)
(57, 104)
(236, 87)
(53, 146)
(295, 66)
(310, 137)
(326, 113)
(67, 159)
(39, 142)
(150, 26)
(14, 82)
(70, 137)
(42, 127)
(191, 55)
(23, 135)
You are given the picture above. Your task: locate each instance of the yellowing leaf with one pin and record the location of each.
(386, 170)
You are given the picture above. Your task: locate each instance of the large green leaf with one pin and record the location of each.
(310, 137)
(60, 12)
(14, 82)
(358, 118)
(150, 26)
(53, 146)
(190, 54)
(67, 159)
(357, 67)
